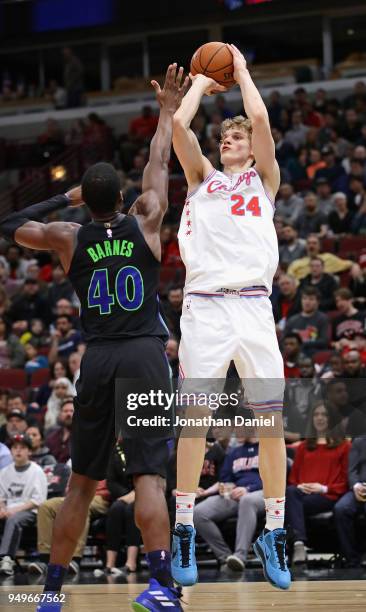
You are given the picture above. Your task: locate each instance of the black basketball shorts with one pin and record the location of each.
(93, 429)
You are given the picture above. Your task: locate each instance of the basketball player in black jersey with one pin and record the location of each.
(113, 263)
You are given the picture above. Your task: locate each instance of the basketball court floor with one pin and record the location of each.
(323, 590)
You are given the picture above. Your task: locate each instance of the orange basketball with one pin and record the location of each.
(214, 60)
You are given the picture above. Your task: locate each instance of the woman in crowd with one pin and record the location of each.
(62, 389)
(40, 454)
(58, 369)
(318, 476)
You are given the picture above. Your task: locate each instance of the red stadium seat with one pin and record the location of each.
(40, 377)
(329, 245)
(351, 246)
(322, 357)
(12, 378)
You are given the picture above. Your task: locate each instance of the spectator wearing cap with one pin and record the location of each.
(23, 487)
(58, 441)
(349, 320)
(324, 194)
(332, 264)
(333, 172)
(296, 136)
(289, 205)
(16, 423)
(11, 351)
(30, 304)
(292, 247)
(310, 323)
(324, 283)
(311, 220)
(358, 281)
(340, 219)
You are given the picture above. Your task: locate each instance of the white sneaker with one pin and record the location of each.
(235, 563)
(74, 567)
(37, 567)
(7, 566)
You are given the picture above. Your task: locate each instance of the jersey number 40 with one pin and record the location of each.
(128, 290)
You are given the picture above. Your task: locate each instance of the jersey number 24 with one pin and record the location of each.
(238, 208)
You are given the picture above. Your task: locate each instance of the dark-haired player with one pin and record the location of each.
(113, 263)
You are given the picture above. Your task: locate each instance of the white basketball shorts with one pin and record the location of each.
(216, 330)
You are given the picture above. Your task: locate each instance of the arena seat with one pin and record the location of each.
(40, 377)
(322, 357)
(13, 378)
(351, 246)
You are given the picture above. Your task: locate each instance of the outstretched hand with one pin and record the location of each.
(173, 90)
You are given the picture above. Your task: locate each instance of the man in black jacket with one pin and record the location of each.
(352, 503)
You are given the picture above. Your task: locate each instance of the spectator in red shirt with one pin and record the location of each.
(318, 477)
(143, 128)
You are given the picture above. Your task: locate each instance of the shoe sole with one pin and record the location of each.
(260, 555)
(185, 584)
(138, 607)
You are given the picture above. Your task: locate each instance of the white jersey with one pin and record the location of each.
(227, 239)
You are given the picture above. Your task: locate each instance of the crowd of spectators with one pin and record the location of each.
(318, 299)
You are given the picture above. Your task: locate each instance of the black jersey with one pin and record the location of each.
(115, 276)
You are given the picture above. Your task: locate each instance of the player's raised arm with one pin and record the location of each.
(262, 141)
(25, 226)
(153, 202)
(186, 146)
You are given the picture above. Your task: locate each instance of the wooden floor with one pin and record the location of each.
(307, 596)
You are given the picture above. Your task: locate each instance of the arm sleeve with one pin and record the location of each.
(36, 212)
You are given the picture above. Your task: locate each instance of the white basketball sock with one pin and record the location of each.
(275, 512)
(184, 507)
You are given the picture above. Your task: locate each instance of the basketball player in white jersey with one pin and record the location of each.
(229, 246)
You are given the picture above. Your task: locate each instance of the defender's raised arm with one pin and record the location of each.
(153, 202)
